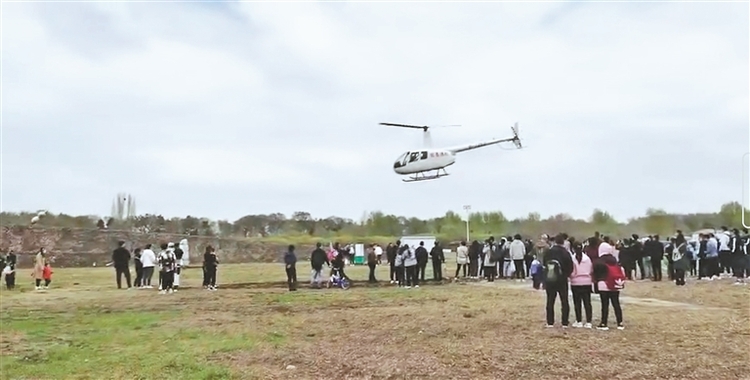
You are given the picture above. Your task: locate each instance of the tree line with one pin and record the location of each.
(451, 226)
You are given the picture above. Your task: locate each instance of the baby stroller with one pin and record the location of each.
(337, 280)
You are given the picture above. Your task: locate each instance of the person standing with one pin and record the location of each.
(581, 285)
(725, 252)
(148, 261)
(290, 262)
(609, 279)
(462, 258)
(378, 252)
(410, 265)
(398, 264)
(317, 259)
(680, 262)
(655, 249)
(178, 253)
(390, 252)
(637, 253)
(138, 268)
(438, 258)
(422, 257)
(372, 262)
(38, 274)
(477, 254)
(121, 260)
(167, 263)
(517, 252)
(211, 262)
(713, 270)
(557, 267)
(489, 267)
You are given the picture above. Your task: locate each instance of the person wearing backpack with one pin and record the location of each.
(609, 279)
(557, 265)
(680, 263)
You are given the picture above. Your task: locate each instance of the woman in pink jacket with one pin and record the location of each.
(580, 285)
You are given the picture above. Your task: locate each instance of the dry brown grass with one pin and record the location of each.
(455, 331)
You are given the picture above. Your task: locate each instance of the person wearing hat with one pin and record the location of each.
(121, 262)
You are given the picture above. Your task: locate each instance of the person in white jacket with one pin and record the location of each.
(410, 266)
(148, 259)
(517, 250)
(462, 258)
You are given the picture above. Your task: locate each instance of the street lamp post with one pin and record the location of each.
(467, 208)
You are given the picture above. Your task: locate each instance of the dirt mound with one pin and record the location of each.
(83, 247)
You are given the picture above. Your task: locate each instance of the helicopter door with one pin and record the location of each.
(413, 156)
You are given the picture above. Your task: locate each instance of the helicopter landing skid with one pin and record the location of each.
(421, 176)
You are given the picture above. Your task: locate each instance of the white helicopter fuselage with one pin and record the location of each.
(423, 160)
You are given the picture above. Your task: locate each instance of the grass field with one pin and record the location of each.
(252, 328)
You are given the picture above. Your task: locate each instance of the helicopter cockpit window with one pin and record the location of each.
(401, 161)
(424, 155)
(413, 156)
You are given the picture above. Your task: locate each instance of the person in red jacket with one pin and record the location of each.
(609, 279)
(47, 275)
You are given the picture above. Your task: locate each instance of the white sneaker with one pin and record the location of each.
(46, 287)
(578, 325)
(162, 292)
(38, 288)
(620, 327)
(603, 328)
(407, 287)
(550, 326)
(393, 282)
(170, 291)
(587, 326)
(416, 286)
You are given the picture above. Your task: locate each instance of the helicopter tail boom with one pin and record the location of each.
(515, 140)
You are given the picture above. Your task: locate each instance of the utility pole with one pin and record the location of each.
(467, 208)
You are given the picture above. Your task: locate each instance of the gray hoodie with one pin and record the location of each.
(410, 258)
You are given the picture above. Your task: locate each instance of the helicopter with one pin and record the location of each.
(420, 164)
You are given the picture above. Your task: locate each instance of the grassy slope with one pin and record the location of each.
(84, 329)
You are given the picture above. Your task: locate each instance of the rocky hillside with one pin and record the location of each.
(85, 247)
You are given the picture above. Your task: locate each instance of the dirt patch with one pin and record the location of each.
(11, 342)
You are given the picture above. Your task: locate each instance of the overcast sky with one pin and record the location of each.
(222, 110)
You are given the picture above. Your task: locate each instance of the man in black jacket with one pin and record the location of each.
(655, 249)
(422, 258)
(390, 253)
(557, 264)
(438, 258)
(637, 253)
(121, 261)
(317, 259)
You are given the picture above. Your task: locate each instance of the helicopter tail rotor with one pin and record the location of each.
(516, 139)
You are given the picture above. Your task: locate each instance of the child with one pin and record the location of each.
(10, 276)
(47, 275)
(536, 273)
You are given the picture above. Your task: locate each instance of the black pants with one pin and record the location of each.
(210, 276)
(400, 275)
(473, 268)
(38, 282)
(712, 267)
(520, 273)
(656, 268)
(489, 273)
(47, 282)
(138, 276)
(10, 281)
(167, 280)
(122, 271)
(537, 281)
(702, 268)
(641, 267)
(459, 267)
(553, 291)
(421, 268)
(614, 299)
(372, 273)
(291, 277)
(437, 270)
(679, 277)
(738, 264)
(394, 276)
(582, 297)
(411, 276)
(670, 270)
(725, 262)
